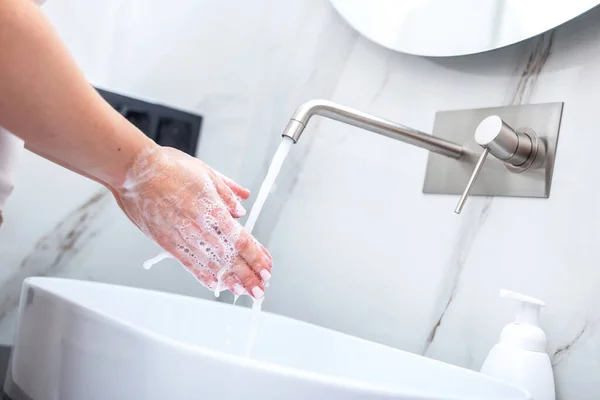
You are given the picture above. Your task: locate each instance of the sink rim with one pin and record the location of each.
(240, 360)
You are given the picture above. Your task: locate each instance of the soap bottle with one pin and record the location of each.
(520, 358)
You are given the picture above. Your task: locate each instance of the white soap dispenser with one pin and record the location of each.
(520, 358)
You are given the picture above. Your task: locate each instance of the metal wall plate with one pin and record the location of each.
(448, 176)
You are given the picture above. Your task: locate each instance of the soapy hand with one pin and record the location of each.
(190, 210)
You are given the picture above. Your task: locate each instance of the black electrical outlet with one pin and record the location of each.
(139, 118)
(175, 133)
(166, 126)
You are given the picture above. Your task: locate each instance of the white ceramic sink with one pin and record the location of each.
(87, 341)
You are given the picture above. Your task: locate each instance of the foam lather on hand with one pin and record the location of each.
(190, 210)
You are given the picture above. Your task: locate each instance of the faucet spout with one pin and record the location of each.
(369, 122)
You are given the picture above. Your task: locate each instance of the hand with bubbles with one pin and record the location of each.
(177, 200)
(190, 210)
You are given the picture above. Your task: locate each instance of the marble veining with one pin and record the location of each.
(475, 220)
(533, 67)
(467, 234)
(55, 249)
(562, 352)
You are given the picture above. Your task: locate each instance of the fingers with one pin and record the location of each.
(248, 274)
(231, 282)
(237, 189)
(216, 247)
(248, 278)
(193, 256)
(211, 266)
(265, 252)
(197, 269)
(231, 202)
(254, 255)
(203, 275)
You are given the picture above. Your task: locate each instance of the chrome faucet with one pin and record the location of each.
(349, 116)
(519, 150)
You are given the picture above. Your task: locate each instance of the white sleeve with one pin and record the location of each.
(11, 148)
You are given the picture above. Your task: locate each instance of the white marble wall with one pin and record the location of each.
(357, 246)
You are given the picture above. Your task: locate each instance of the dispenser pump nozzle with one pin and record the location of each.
(525, 331)
(529, 313)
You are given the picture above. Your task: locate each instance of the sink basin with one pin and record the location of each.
(82, 340)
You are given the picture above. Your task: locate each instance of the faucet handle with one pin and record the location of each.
(478, 166)
(506, 144)
(518, 150)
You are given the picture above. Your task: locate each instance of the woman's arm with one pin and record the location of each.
(46, 100)
(178, 201)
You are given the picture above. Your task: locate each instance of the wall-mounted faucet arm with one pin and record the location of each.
(384, 127)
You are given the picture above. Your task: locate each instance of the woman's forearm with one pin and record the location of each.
(46, 100)
(188, 208)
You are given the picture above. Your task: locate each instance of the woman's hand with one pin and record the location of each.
(190, 210)
(180, 202)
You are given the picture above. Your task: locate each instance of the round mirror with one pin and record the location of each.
(442, 28)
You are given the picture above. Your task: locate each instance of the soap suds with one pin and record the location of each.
(155, 260)
(212, 246)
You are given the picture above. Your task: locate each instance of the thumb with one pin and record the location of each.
(237, 189)
(227, 195)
